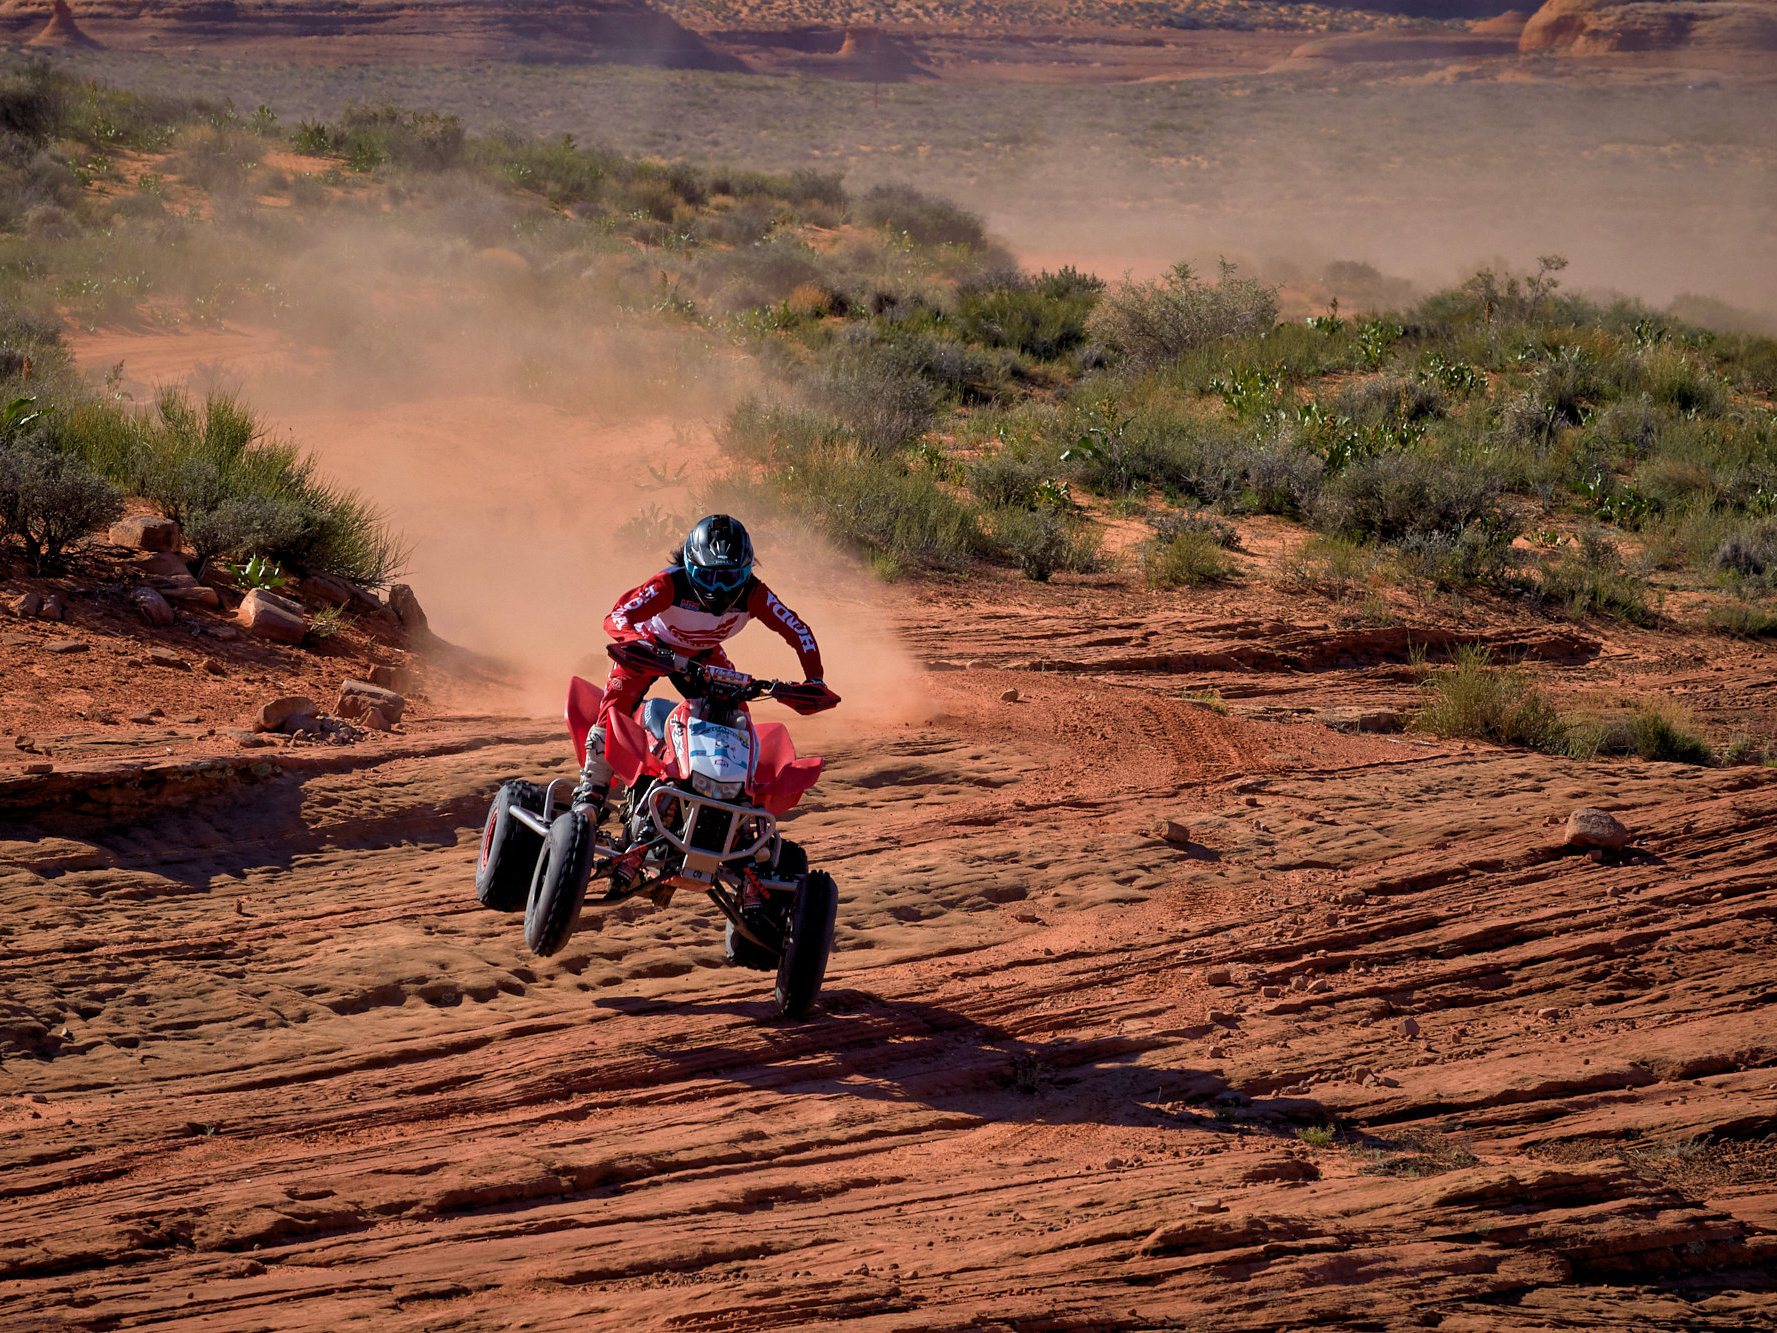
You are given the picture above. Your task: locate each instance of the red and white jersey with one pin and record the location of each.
(666, 610)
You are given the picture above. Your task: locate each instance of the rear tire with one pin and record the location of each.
(559, 885)
(807, 944)
(508, 849)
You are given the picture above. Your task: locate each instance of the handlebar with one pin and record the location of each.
(802, 696)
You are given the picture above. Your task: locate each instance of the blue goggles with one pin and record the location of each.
(718, 582)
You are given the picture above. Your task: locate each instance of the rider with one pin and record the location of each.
(705, 597)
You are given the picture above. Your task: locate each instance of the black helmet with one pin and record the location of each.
(718, 562)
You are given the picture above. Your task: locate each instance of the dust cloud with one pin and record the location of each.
(539, 451)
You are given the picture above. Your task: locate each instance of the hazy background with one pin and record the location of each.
(1655, 188)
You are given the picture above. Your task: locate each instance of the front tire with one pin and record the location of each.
(559, 885)
(508, 849)
(737, 949)
(807, 944)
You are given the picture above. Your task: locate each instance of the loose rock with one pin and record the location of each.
(1353, 897)
(1410, 1026)
(166, 657)
(55, 607)
(1207, 1206)
(1587, 827)
(1009, 697)
(35, 770)
(146, 532)
(327, 588)
(65, 646)
(278, 713)
(397, 678)
(1219, 976)
(407, 610)
(161, 563)
(214, 668)
(152, 607)
(249, 740)
(27, 606)
(358, 697)
(267, 616)
(1175, 833)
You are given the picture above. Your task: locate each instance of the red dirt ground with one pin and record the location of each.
(267, 1065)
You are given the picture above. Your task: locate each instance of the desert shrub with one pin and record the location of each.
(761, 273)
(880, 507)
(1629, 428)
(955, 369)
(776, 434)
(1388, 399)
(925, 218)
(1662, 733)
(748, 222)
(50, 499)
(217, 159)
(1565, 386)
(231, 489)
(1388, 498)
(1152, 323)
(1751, 552)
(1005, 480)
(1045, 542)
(1335, 567)
(1743, 621)
(1284, 480)
(33, 104)
(1670, 376)
(1028, 321)
(555, 168)
(873, 393)
(1474, 698)
(1477, 553)
(1170, 527)
(1191, 558)
(368, 136)
(1581, 590)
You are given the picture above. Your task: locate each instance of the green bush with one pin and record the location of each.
(925, 218)
(1152, 323)
(1402, 495)
(1478, 553)
(1474, 698)
(1191, 558)
(1662, 734)
(879, 400)
(1005, 480)
(1045, 542)
(1743, 621)
(1173, 526)
(49, 500)
(1026, 320)
(1751, 552)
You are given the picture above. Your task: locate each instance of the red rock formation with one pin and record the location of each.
(1588, 27)
(62, 30)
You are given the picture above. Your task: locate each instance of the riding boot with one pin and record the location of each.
(594, 788)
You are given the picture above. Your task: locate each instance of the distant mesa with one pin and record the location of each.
(1595, 27)
(1509, 24)
(62, 30)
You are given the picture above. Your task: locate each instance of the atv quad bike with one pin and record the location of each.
(703, 790)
